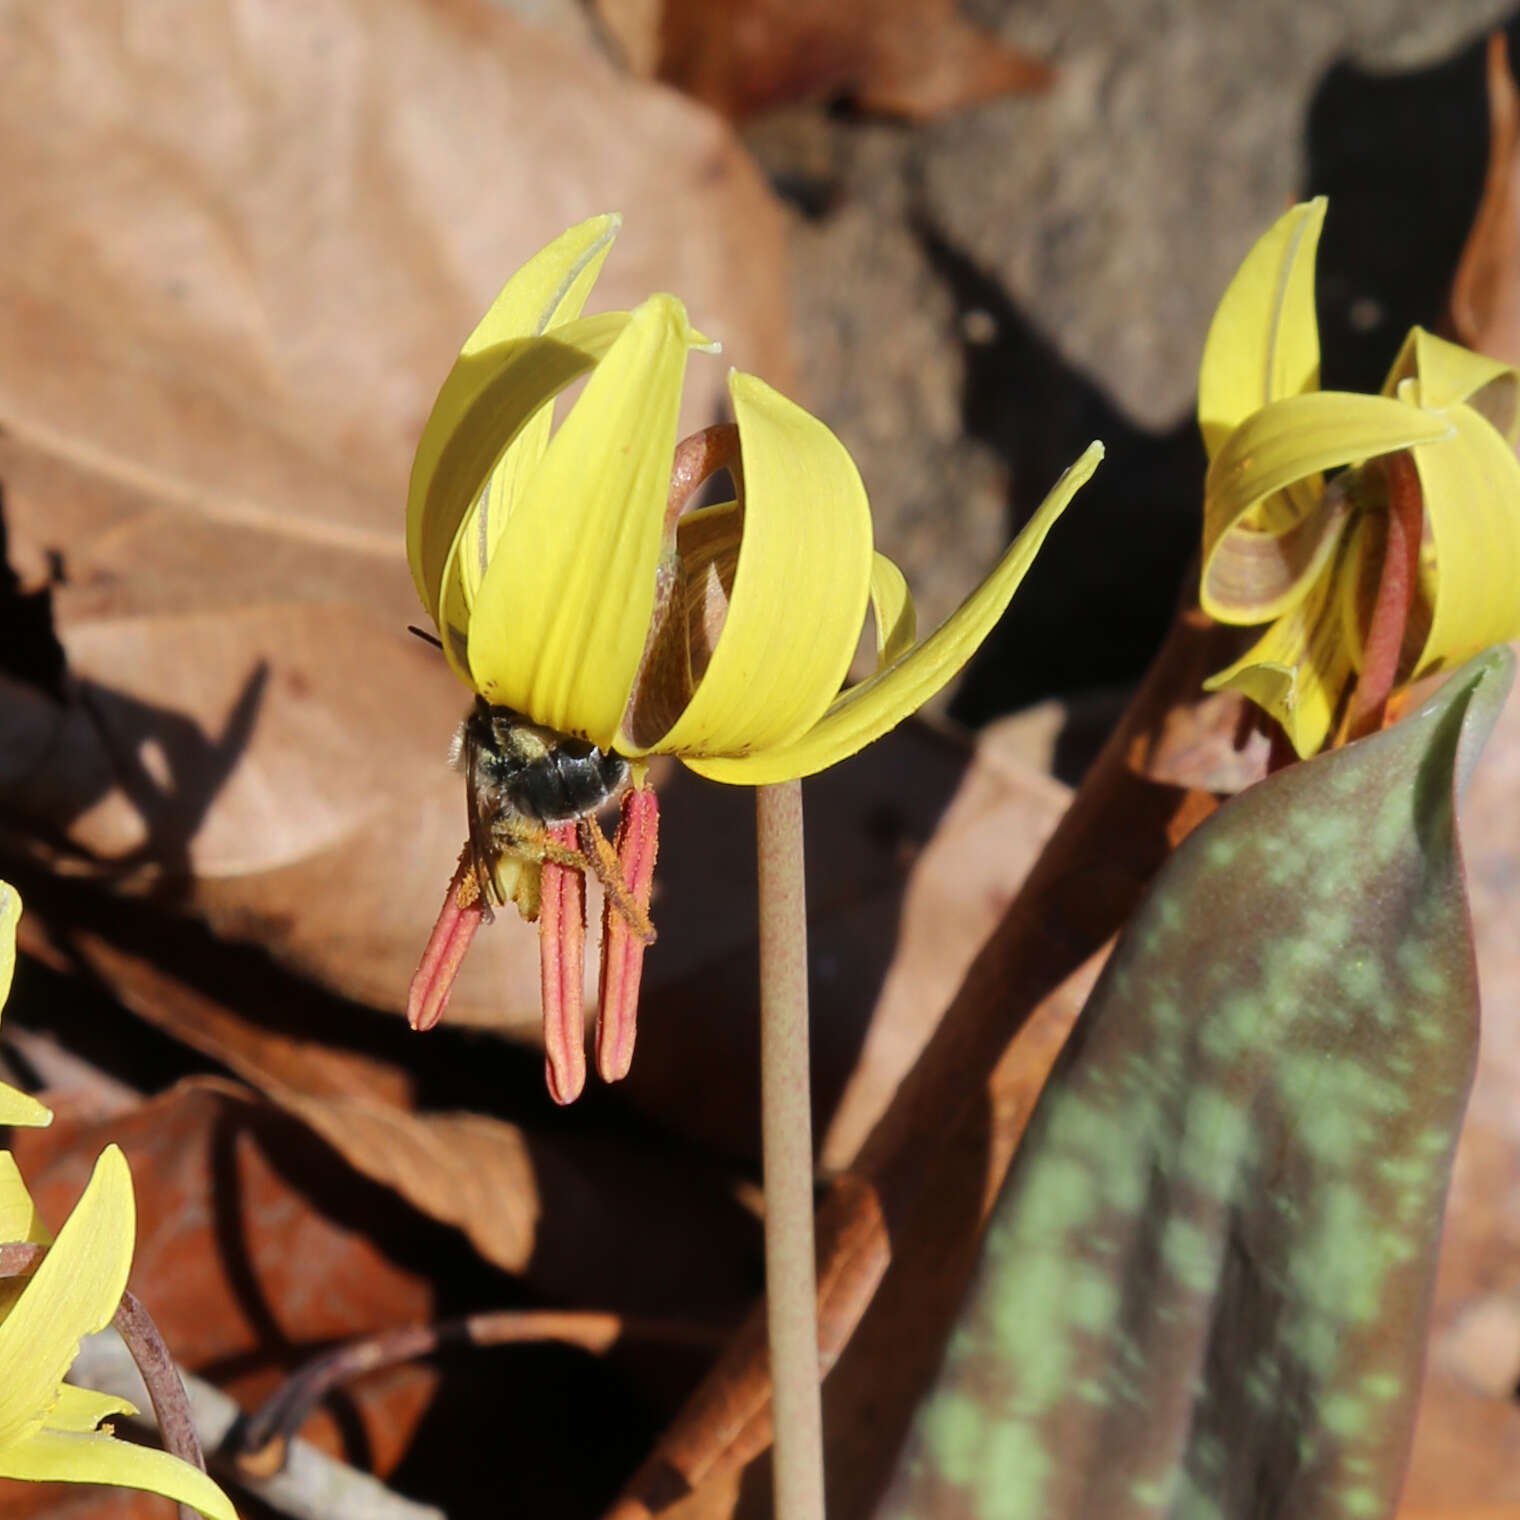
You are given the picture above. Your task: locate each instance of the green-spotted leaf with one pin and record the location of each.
(1204, 1287)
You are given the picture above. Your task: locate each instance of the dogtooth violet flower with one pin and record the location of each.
(48, 1427)
(600, 620)
(1286, 546)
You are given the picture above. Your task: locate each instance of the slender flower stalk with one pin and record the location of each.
(786, 1120)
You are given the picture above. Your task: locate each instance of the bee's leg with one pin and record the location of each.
(561, 953)
(628, 876)
(608, 864)
(554, 845)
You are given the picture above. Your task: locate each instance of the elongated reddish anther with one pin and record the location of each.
(458, 920)
(638, 839)
(561, 953)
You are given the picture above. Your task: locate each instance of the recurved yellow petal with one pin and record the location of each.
(869, 710)
(1261, 573)
(1297, 670)
(71, 1456)
(15, 1107)
(1471, 486)
(516, 380)
(800, 587)
(559, 621)
(84, 1408)
(893, 610)
(1263, 343)
(22, 1109)
(1445, 374)
(19, 1220)
(73, 1293)
(550, 289)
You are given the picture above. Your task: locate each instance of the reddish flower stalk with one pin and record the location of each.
(145, 1344)
(622, 947)
(561, 948)
(1395, 597)
(460, 917)
(697, 459)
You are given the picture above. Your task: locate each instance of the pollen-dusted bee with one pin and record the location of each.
(521, 778)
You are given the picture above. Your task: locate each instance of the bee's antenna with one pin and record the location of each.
(425, 636)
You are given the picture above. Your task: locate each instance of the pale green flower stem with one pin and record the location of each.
(791, 1303)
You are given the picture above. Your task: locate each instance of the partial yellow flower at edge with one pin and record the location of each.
(1281, 547)
(16, 1108)
(47, 1426)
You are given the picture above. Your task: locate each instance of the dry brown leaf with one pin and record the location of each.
(1483, 310)
(242, 249)
(983, 847)
(554, 1208)
(911, 58)
(258, 1248)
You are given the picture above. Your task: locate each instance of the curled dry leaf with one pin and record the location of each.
(243, 250)
(981, 849)
(910, 58)
(1483, 310)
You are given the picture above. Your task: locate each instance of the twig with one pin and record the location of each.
(258, 1444)
(171, 1407)
(787, 1149)
(311, 1486)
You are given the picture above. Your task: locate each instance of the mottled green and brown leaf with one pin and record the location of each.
(1204, 1288)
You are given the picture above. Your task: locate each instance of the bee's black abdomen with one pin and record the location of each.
(540, 774)
(573, 779)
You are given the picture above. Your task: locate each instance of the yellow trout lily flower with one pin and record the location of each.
(15, 1107)
(1283, 546)
(47, 1426)
(573, 593)
(538, 556)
